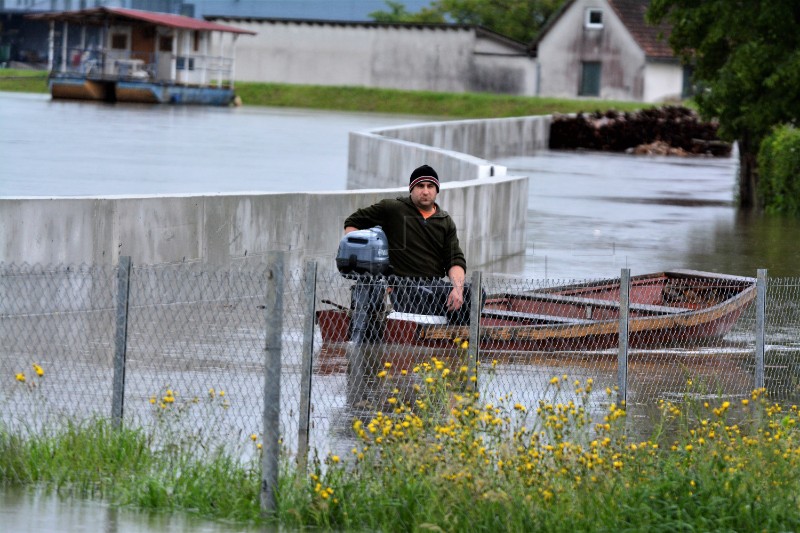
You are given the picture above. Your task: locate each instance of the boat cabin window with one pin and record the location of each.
(165, 43)
(119, 41)
(184, 63)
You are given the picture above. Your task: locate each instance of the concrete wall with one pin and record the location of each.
(411, 57)
(373, 162)
(226, 229)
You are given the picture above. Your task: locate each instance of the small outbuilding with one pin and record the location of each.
(432, 57)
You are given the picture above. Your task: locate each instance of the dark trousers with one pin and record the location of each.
(429, 297)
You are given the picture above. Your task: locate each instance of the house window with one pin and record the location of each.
(590, 78)
(119, 41)
(594, 19)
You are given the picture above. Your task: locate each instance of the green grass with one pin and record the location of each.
(425, 103)
(440, 458)
(445, 105)
(23, 81)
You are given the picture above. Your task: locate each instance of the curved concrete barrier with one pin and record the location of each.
(489, 206)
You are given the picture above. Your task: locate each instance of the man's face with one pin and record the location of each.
(424, 195)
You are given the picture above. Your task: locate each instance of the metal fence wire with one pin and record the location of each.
(78, 342)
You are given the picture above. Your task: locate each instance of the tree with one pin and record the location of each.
(521, 20)
(746, 59)
(398, 13)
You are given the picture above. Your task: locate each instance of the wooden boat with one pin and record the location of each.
(130, 55)
(676, 308)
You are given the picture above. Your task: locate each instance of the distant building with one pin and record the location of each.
(432, 57)
(26, 41)
(604, 49)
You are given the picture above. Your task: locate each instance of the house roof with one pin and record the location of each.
(481, 31)
(632, 14)
(652, 39)
(100, 15)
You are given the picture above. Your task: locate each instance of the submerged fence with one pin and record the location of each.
(293, 357)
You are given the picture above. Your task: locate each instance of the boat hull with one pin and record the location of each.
(136, 91)
(680, 308)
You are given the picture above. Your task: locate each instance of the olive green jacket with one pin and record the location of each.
(418, 247)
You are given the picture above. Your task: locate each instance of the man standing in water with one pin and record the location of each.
(423, 249)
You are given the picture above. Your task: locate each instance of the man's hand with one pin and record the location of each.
(456, 297)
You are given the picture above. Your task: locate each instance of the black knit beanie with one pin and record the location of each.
(423, 173)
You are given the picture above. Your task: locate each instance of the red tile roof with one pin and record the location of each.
(99, 14)
(632, 13)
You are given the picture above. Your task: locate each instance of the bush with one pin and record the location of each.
(779, 171)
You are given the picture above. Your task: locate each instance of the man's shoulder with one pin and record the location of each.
(400, 203)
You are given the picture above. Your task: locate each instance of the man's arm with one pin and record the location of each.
(366, 217)
(457, 276)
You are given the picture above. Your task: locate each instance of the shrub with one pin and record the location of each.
(779, 171)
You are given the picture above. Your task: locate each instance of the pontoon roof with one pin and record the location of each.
(100, 15)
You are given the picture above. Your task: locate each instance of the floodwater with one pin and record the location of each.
(592, 214)
(36, 511)
(61, 148)
(589, 214)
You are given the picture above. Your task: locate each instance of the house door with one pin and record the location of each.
(590, 78)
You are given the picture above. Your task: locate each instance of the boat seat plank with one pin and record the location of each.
(596, 302)
(545, 319)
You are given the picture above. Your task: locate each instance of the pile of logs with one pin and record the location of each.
(669, 130)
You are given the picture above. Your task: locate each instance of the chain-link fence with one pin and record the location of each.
(133, 343)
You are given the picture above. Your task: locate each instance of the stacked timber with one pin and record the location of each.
(668, 130)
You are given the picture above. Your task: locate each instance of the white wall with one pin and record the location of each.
(663, 81)
(434, 58)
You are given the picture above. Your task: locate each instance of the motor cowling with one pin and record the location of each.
(364, 251)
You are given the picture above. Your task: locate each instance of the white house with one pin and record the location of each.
(433, 57)
(604, 49)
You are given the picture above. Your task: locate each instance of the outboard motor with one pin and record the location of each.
(363, 255)
(364, 251)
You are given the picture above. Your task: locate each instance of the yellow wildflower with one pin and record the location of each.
(20, 377)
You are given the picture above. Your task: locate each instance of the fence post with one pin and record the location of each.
(272, 382)
(305, 371)
(761, 316)
(120, 339)
(622, 357)
(474, 329)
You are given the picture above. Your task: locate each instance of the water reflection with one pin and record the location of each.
(591, 214)
(42, 511)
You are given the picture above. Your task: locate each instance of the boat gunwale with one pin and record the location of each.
(686, 317)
